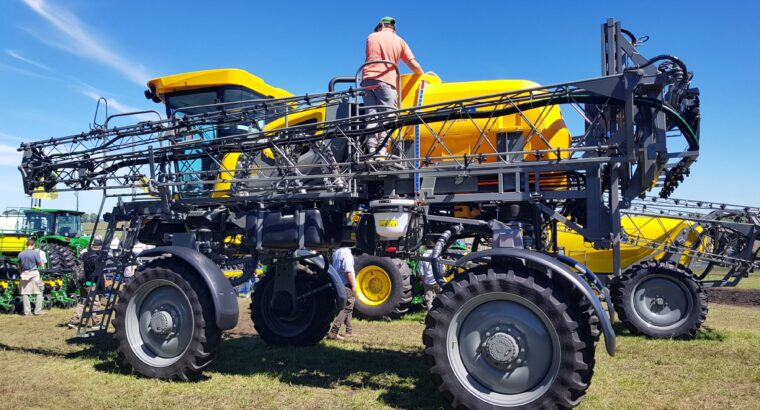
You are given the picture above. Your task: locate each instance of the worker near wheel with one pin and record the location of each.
(381, 79)
(89, 260)
(343, 263)
(30, 282)
(429, 284)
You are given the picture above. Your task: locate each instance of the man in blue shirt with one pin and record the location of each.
(343, 263)
(30, 283)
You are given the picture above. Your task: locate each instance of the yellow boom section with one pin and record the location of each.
(214, 78)
(652, 231)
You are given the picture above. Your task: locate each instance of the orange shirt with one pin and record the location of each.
(385, 45)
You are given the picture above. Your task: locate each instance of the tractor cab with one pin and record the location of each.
(209, 90)
(197, 92)
(47, 222)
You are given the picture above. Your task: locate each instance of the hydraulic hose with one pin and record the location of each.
(668, 57)
(630, 35)
(438, 248)
(249, 269)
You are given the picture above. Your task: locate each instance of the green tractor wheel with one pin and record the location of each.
(62, 258)
(383, 287)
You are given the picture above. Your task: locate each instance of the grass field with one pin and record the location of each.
(750, 282)
(87, 227)
(382, 366)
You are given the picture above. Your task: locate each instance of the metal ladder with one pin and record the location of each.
(110, 277)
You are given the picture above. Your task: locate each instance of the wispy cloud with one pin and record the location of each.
(27, 73)
(9, 156)
(81, 42)
(19, 57)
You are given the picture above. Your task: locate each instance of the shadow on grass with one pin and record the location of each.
(101, 347)
(704, 333)
(402, 376)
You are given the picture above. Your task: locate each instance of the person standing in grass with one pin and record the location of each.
(343, 263)
(30, 283)
(89, 259)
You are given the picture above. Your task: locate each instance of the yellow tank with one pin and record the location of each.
(651, 230)
(463, 136)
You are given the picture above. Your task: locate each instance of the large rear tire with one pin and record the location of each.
(62, 259)
(307, 325)
(384, 287)
(165, 324)
(660, 300)
(509, 339)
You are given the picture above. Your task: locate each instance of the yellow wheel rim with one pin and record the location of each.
(373, 285)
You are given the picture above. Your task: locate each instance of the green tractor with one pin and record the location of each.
(59, 235)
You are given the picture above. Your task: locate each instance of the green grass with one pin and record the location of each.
(381, 367)
(750, 282)
(87, 227)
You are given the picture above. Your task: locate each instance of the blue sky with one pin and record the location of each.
(57, 57)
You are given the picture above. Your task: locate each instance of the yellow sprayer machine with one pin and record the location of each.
(279, 179)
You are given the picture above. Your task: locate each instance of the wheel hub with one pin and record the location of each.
(502, 347)
(163, 321)
(375, 285)
(658, 301)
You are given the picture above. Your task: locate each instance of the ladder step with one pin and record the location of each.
(97, 312)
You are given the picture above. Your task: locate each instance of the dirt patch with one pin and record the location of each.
(738, 297)
(245, 325)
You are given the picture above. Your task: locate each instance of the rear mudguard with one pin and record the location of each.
(537, 260)
(223, 294)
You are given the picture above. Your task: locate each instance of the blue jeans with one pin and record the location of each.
(377, 100)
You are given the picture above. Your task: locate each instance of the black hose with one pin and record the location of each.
(438, 249)
(630, 35)
(668, 57)
(249, 270)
